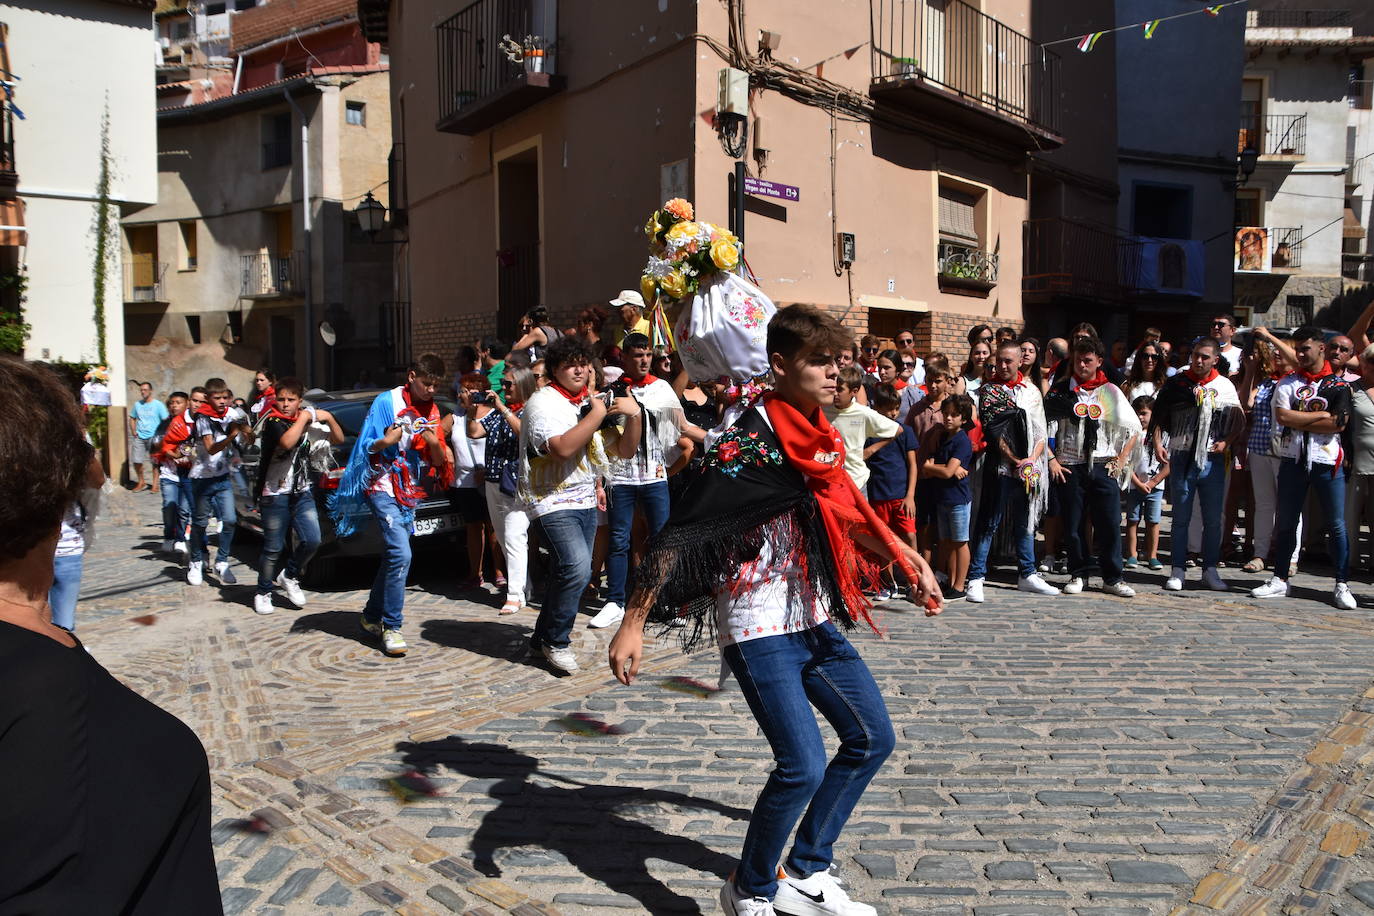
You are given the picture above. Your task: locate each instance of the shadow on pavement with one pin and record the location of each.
(591, 826)
(343, 624)
(494, 639)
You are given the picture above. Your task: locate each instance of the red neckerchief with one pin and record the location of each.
(1276, 376)
(208, 410)
(1317, 376)
(815, 448)
(271, 410)
(1097, 381)
(429, 412)
(1211, 374)
(515, 406)
(268, 398)
(649, 379)
(1013, 383)
(178, 431)
(870, 367)
(572, 398)
(898, 384)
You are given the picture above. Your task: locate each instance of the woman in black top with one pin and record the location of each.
(109, 802)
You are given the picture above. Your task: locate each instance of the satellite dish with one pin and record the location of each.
(327, 334)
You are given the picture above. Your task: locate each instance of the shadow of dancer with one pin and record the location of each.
(590, 825)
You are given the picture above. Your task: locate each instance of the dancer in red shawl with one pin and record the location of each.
(767, 550)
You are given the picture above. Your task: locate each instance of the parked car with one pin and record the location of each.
(438, 523)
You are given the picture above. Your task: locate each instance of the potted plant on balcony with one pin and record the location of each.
(528, 51)
(906, 67)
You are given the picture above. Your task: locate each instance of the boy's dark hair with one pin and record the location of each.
(635, 341)
(800, 330)
(937, 363)
(179, 394)
(1209, 341)
(215, 385)
(1006, 330)
(851, 377)
(961, 403)
(885, 397)
(43, 454)
(428, 367)
(976, 332)
(1306, 332)
(1089, 345)
(291, 385)
(1143, 402)
(199, 389)
(496, 347)
(565, 351)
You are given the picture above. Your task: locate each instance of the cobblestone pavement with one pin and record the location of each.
(1174, 753)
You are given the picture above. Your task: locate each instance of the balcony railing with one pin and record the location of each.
(1274, 135)
(393, 323)
(1297, 19)
(143, 280)
(479, 85)
(966, 269)
(1285, 246)
(267, 275)
(1069, 257)
(954, 49)
(1358, 267)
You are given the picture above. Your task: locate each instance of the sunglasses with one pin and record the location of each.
(904, 341)
(870, 349)
(987, 339)
(908, 365)
(1149, 356)
(506, 383)
(1221, 324)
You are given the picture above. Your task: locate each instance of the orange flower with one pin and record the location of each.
(678, 207)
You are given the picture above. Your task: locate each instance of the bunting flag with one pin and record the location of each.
(1150, 28)
(1085, 44)
(1215, 10)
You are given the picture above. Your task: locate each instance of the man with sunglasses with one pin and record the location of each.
(905, 343)
(1223, 329)
(1341, 351)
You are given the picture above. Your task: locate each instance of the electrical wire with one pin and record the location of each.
(1136, 25)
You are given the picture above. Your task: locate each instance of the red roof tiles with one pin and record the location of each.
(261, 24)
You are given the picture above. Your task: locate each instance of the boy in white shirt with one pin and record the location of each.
(858, 424)
(218, 429)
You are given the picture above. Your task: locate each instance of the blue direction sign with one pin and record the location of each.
(760, 188)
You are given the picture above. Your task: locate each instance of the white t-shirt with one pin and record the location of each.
(1234, 358)
(857, 424)
(205, 465)
(549, 483)
(469, 455)
(282, 478)
(72, 541)
(660, 428)
(757, 604)
(1067, 436)
(1293, 392)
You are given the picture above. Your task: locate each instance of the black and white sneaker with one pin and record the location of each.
(816, 895)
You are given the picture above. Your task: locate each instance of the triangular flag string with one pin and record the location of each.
(1086, 42)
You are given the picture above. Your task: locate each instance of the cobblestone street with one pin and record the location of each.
(1173, 753)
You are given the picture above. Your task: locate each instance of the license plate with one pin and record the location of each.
(436, 523)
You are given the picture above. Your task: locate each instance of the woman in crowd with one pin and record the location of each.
(1359, 494)
(890, 369)
(589, 322)
(469, 468)
(500, 427)
(1267, 364)
(535, 333)
(1148, 372)
(1030, 362)
(264, 393)
(111, 808)
(975, 368)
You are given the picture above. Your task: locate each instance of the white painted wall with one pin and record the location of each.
(73, 57)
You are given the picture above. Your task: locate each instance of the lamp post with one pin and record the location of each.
(371, 215)
(1245, 167)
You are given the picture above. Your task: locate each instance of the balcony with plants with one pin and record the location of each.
(496, 59)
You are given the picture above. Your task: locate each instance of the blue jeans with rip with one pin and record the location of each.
(205, 492)
(1329, 484)
(782, 677)
(298, 512)
(66, 585)
(386, 603)
(1008, 498)
(568, 534)
(176, 507)
(1208, 485)
(621, 515)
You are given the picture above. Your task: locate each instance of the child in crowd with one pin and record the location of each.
(925, 418)
(948, 467)
(172, 452)
(1145, 496)
(218, 428)
(892, 476)
(864, 429)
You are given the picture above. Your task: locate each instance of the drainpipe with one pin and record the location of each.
(307, 223)
(238, 74)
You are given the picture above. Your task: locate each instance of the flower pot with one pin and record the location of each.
(534, 61)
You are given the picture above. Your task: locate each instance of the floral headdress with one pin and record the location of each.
(684, 251)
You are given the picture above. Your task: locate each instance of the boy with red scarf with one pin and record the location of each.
(172, 453)
(398, 448)
(765, 549)
(284, 492)
(1311, 408)
(218, 428)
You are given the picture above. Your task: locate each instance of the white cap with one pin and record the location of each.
(629, 297)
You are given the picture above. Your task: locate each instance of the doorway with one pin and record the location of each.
(518, 255)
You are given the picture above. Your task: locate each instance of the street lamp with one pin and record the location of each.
(1245, 167)
(371, 214)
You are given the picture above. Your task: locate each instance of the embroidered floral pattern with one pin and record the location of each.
(747, 311)
(735, 450)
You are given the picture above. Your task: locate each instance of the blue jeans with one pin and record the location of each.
(1009, 496)
(176, 507)
(1329, 483)
(387, 601)
(1209, 485)
(568, 534)
(621, 515)
(296, 510)
(66, 585)
(782, 677)
(216, 491)
(1090, 490)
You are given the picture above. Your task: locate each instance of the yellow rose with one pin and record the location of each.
(674, 285)
(724, 254)
(647, 287)
(724, 235)
(683, 231)
(652, 227)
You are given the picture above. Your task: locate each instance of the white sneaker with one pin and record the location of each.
(817, 895)
(609, 614)
(195, 572)
(1073, 586)
(563, 659)
(1036, 585)
(973, 591)
(262, 604)
(883, 594)
(1274, 588)
(1175, 581)
(292, 588)
(1120, 589)
(732, 903)
(1344, 598)
(1212, 579)
(180, 548)
(167, 546)
(226, 575)
(213, 526)
(393, 643)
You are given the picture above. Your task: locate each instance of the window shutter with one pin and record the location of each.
(956, 216)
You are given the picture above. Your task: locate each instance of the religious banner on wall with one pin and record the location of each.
(1252, 249)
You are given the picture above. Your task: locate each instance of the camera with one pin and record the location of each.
(606, 397)
(480, 397)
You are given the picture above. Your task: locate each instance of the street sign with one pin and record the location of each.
(760, 188)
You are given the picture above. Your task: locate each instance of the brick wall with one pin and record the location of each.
(947, 332)
(445, 335)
